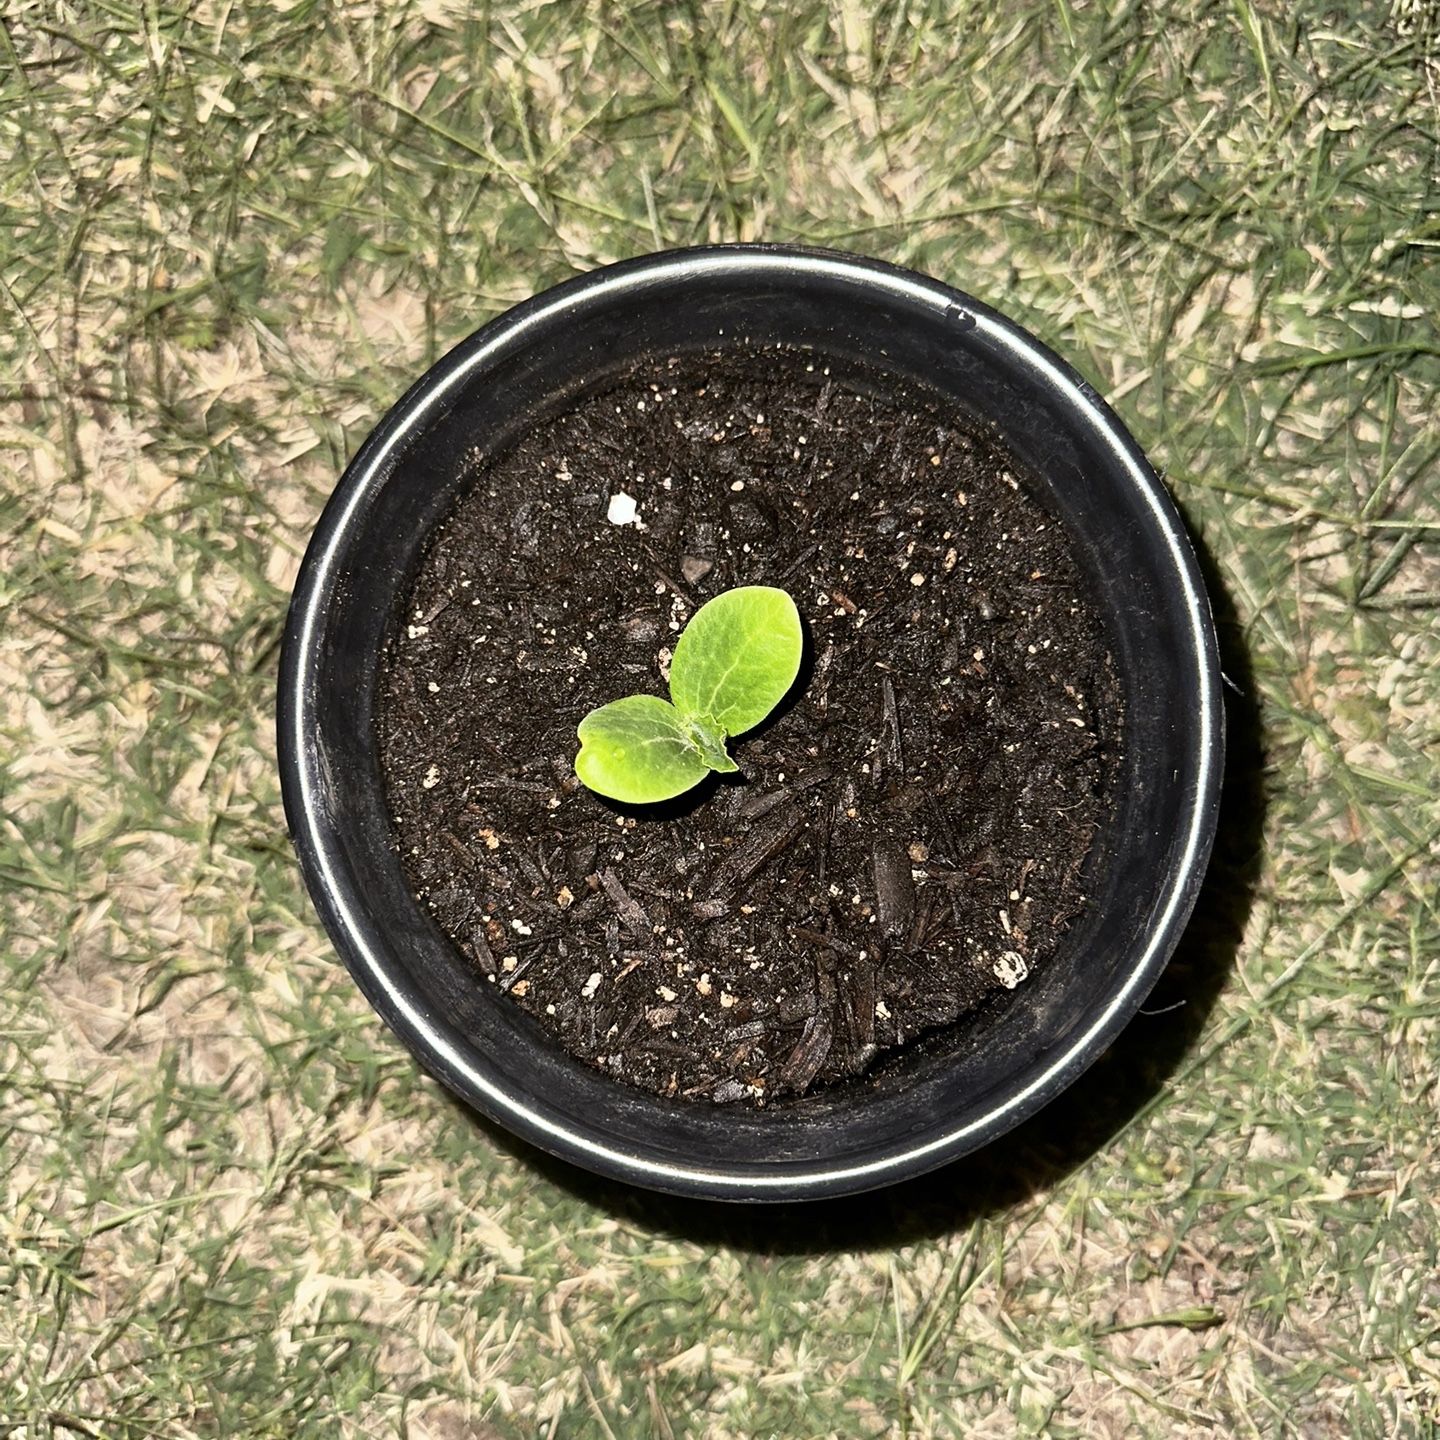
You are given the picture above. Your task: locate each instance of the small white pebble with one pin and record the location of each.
(433, 688)
(622, 510)
(737, 485)
(416, 631)
(666, 993)
(591, 985)
(726, 1000)
(432, 778)
(703, 984)
(917, 579)
(521, 928)
(1010, 969)
(882, 1010)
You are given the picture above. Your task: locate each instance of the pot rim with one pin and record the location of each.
(342, 910)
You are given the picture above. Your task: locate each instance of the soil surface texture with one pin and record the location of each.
(907, 832)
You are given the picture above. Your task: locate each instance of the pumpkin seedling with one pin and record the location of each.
(732, 665)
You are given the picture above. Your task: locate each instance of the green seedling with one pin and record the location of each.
(738, 656)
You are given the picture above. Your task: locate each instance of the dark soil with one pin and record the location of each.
(908, 832)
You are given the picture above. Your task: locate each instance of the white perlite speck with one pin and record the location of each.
(623, 509)
(591, 985)
(432, 778)
(1010, 969)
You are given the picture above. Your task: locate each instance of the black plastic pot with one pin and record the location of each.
(996, 1069)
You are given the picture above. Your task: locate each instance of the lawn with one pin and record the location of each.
(230, 234)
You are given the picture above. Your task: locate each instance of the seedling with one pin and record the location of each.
(737, 657)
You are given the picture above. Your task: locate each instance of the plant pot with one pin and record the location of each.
(997, 1068)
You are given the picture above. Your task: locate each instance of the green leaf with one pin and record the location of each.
(709, 740)
(738, 656)
(732, 666)
(641, 749)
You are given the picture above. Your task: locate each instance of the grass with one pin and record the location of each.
(229, 235)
